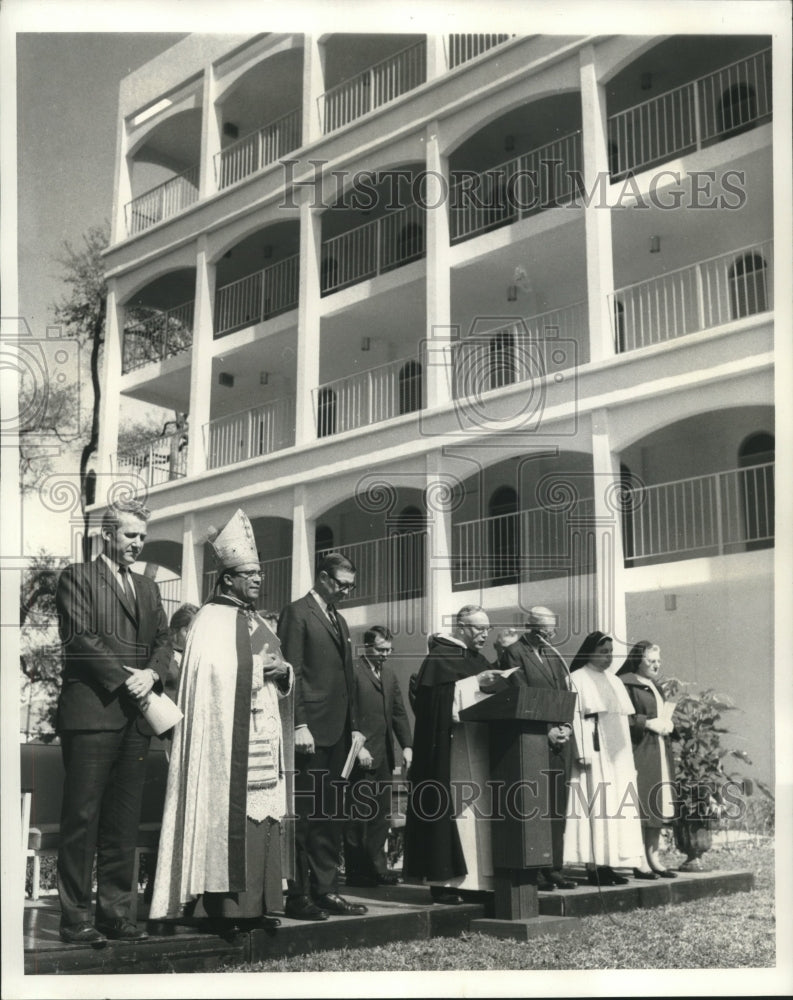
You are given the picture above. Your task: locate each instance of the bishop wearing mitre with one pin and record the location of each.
(225, 834)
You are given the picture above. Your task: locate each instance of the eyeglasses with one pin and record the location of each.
(248, 574)
(340, 584)
(478, 628)
(382, 650)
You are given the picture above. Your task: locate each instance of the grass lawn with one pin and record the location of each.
(715, 933)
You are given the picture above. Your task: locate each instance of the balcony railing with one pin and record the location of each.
(706, 110)
(258, 149)
(162, 202)
(532, 182)
(155, 338)
(536, 348)
(171, 594)
(461, 48)
(526, 545)
(157, 461)
(373, 87)
(698, 297)
(702, 516)
(258, 431)
(388, 569)
(369, 397)
(258, 296)
(276, 589)
(373, 248)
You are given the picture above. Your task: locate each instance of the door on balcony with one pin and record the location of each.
(756, 489)
(410, 387)
(326, 412)
(504, 536)
(748, 288)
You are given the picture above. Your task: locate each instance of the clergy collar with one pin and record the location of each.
(450, 638)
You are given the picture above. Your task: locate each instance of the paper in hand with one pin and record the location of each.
(357, 742)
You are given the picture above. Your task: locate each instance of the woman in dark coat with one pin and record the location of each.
(652, 752)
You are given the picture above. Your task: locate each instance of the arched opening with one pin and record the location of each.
(504, 536)
(411, 379)
(756, 489)
(737, 109)
(326, 412)
(502, 366)
(748, 286)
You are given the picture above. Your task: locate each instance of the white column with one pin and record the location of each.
(313, 87)
(597, 217)
(210, 136)
(610, 574)
(436, 56)
(201, 361)
(110, 396)
(303, 529)
(122, 187)
(308, 319)
(439, 333)
(439, 603)
(192, 561)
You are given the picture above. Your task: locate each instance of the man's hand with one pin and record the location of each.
(488, 680)
(140, 682)
(407, 757)
(273, 667)
(304, 741)
(658, 727)
(558, 735)
(365, 759)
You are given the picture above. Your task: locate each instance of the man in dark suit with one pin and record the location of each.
(541, 665)
(380, 711)
(316, 641)
(115, 651)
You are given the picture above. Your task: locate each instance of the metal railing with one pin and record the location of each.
(276, 589)
(708, 109)
(709, 515)
(257, 296)
(373, 248)
(533, 349)
(258, 149)
(369, 397)
(171, 594)
(154, 338)
(373, 87)
(162, 202)
(257, 431)
(461, 48)
(697, 297)
(157, 461)
(532, 182)
(526, 545)
(388, 569)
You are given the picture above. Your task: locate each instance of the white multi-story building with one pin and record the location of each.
(492, 315)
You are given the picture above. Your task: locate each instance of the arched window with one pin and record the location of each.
(756, 489)
(748, 287)
(410, 387)
(503, 536)
(326, 412)
(502, 367)
(737, 109)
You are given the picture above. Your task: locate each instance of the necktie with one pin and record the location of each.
(334, 621)
(126, 583)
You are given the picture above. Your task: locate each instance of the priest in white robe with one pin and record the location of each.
(226, 835)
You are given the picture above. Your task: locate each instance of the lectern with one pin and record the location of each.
(517, 721)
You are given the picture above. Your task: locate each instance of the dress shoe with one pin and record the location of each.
(665, 873)
(445, 896)
(545, 884)
(301, 908)
(605, 876)
(650, 876)
(560, 881)
(387, 878)
(334, 903)
(122, 930)
(83, 933)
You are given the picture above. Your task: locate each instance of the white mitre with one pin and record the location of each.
(235, 545)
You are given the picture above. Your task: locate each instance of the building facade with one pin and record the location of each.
(493, 315)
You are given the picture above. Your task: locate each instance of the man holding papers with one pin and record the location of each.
(225, 833)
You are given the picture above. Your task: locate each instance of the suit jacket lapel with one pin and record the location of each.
(338, 639)
(539, 660)
(123, 597)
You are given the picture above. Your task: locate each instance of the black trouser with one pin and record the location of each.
(319, 807)
(102, 796)
(369, 801)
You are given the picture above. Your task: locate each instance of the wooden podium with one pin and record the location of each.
(517, 721)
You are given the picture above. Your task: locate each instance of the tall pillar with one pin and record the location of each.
(597, 216)
(610, 573)
(313, 87)
(436, 56)
(438, 332)
(192, 561)
(201, 360)
(122, 187)
(210, 136)
(110, 392)
(308, 318)
(303, 529)
(438, 597)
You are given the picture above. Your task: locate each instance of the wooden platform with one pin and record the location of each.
(398, 913)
